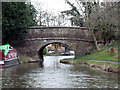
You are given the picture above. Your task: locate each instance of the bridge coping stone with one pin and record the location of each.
(43, 27)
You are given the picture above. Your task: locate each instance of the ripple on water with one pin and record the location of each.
(57, 75)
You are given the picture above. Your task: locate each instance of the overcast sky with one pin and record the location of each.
(51, 5)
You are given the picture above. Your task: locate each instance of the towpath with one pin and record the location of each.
(105, 61)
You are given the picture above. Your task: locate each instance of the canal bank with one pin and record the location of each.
(27, 59)
(105, 66)
(102, 60)
(107, 59)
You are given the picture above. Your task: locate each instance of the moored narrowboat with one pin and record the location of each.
(8, 56)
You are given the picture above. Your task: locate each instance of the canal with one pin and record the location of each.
(54, 74)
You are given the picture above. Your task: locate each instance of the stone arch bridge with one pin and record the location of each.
(78, 39)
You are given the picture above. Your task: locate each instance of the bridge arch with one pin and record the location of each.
(40, 52)
(79, 39)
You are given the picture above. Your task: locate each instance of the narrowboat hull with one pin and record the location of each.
(8, 63)
(10, 59)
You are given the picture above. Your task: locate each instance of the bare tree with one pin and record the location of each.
(54, 20)
(45, 18)
(103, 16)
(106, 20)
(88, 12)
(40, 12)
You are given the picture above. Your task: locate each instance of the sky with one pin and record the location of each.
(54, 6)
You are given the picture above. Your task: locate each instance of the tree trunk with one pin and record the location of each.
(87, 18)
(90, 29)
(96, 42)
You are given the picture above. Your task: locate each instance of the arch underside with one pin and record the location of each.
(40, 52)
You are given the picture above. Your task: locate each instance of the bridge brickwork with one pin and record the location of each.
(77, 39)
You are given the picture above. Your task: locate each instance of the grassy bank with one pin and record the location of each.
(104, 55)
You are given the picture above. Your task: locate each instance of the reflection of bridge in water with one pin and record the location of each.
(75, 38)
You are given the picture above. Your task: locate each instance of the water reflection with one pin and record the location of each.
(53, 74)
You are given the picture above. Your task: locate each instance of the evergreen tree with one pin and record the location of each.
(16, 19)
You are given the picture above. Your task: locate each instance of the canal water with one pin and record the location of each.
(54, 74)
